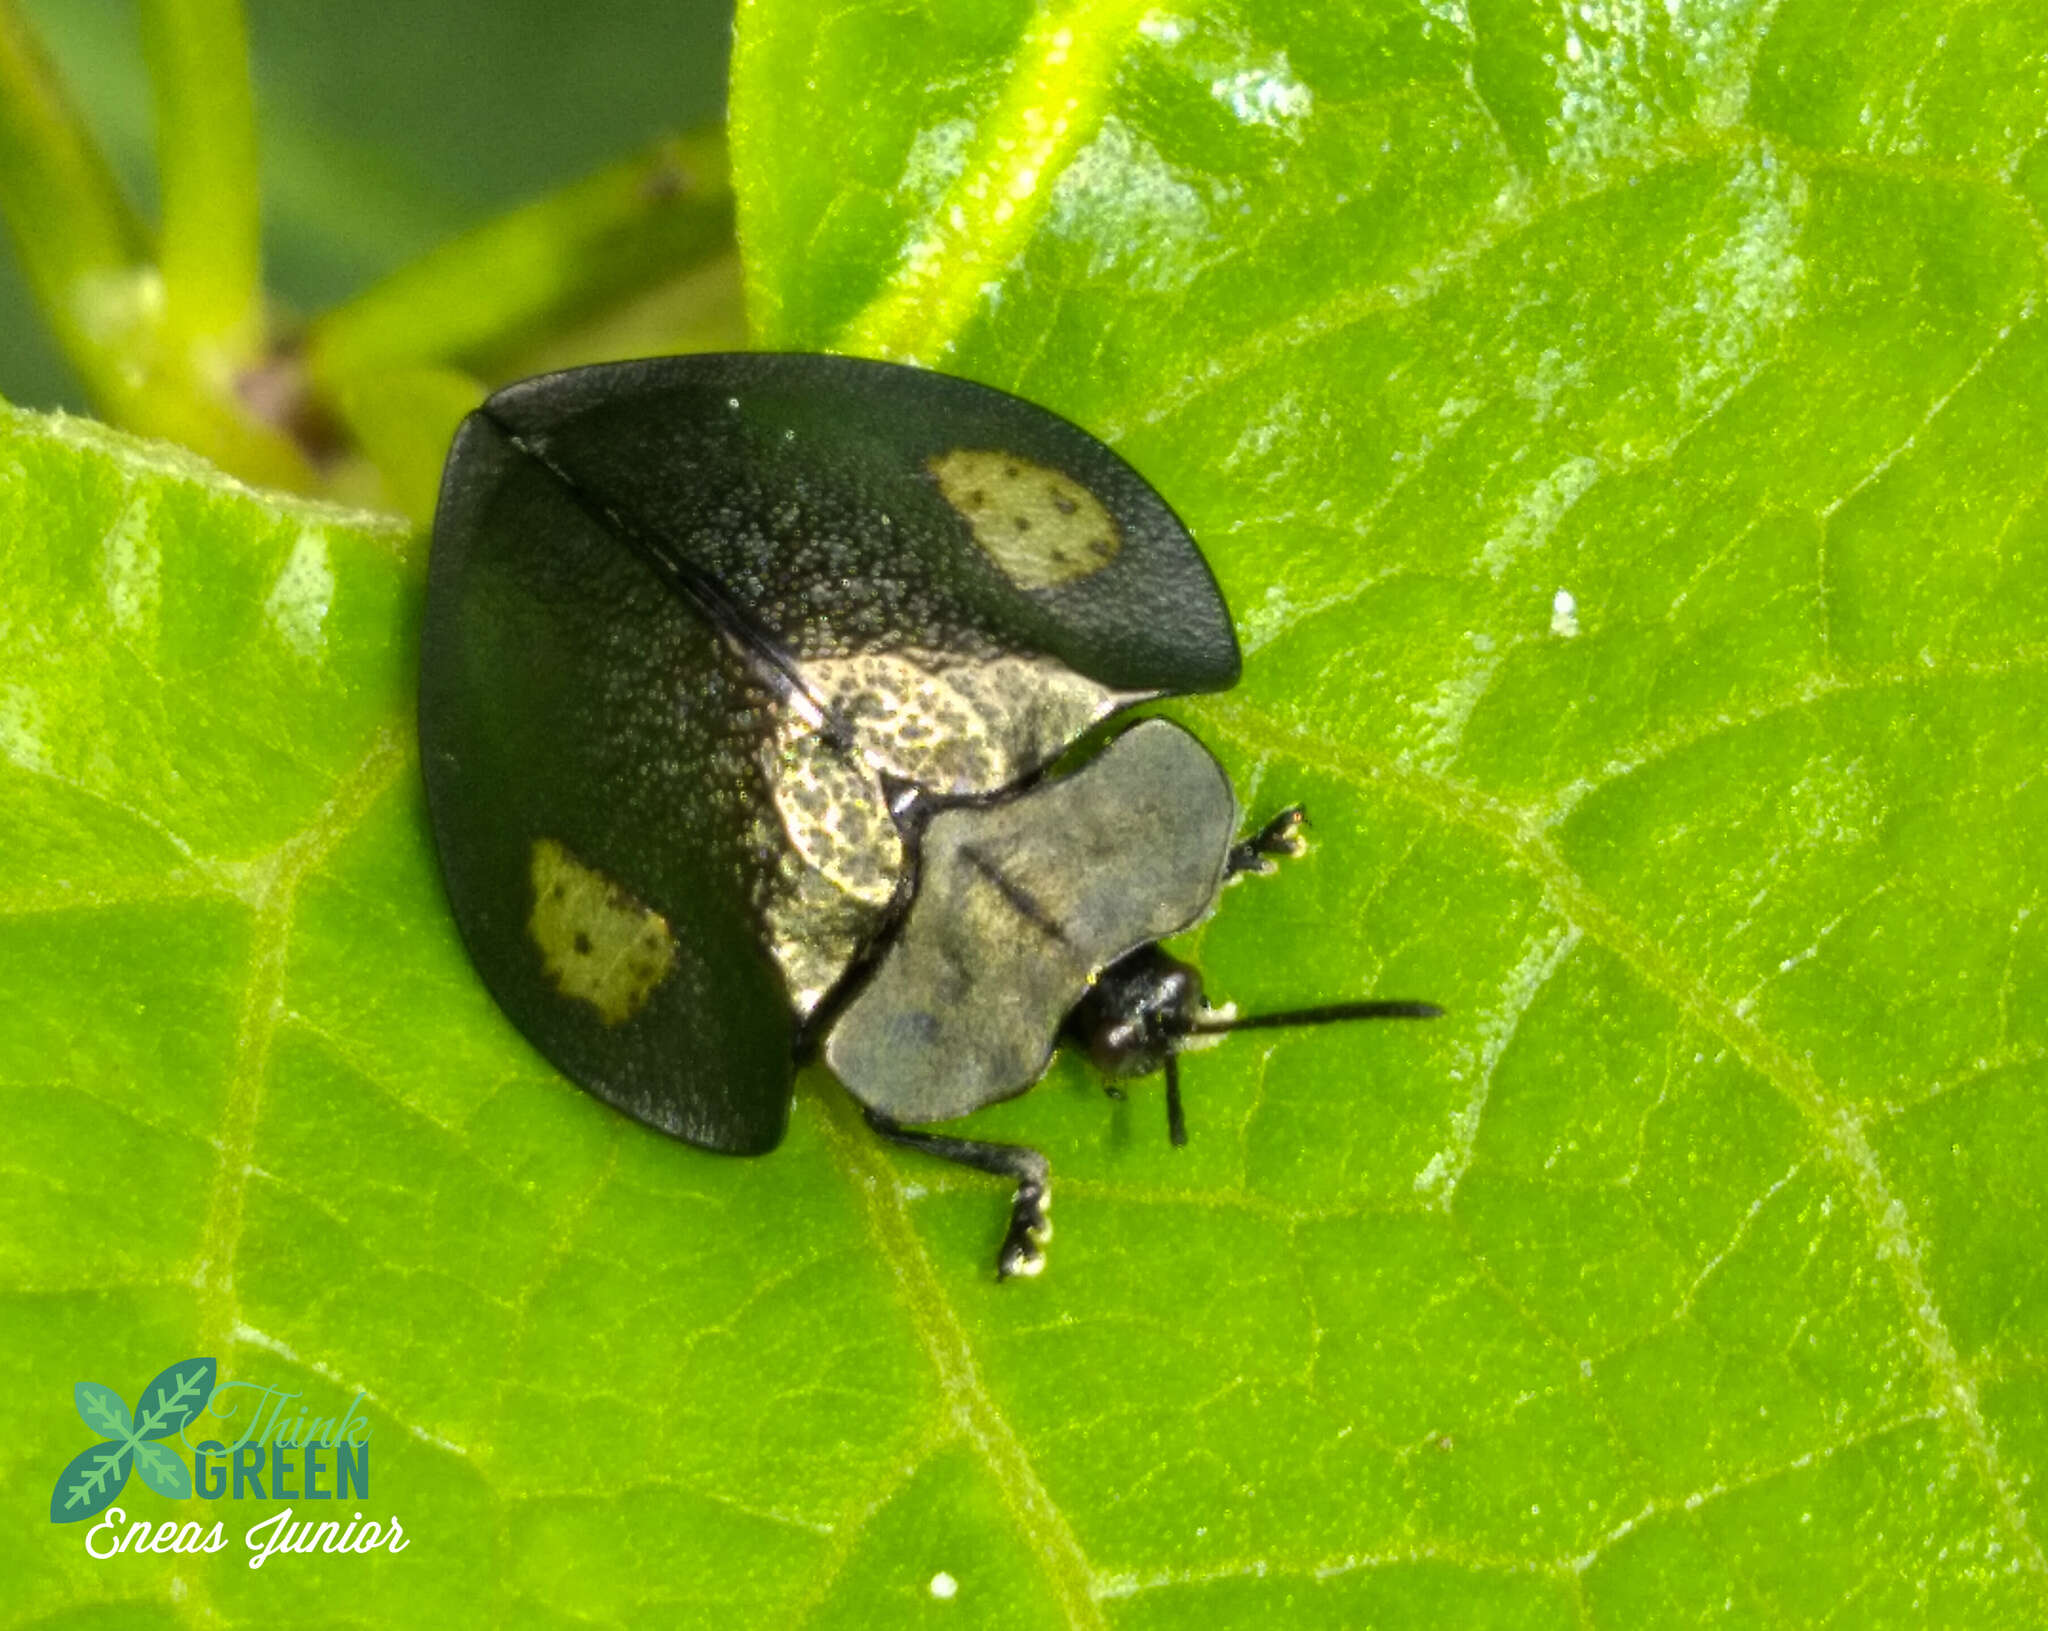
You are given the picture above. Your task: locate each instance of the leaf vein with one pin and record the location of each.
(262, 1008)
(1057, 95)
(1040, 1521)
(1840, 1133)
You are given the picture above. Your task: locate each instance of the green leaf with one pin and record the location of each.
(1621, 432)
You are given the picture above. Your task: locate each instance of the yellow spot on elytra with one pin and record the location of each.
(600, 945)
(1041, 527)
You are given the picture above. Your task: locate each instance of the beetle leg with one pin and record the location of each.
(1280, 836)
(1023, 1245)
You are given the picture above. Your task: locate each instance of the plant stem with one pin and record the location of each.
(210, 248)
(481, 296)
(84, 253)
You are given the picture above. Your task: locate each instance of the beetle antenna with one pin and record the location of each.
(1176, 1122)
(1330, 1015)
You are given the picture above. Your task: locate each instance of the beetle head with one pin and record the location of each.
(1136, 1013)
(1134, 1020)
(1144, 1008)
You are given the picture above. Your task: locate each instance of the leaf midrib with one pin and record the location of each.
(1055, 99)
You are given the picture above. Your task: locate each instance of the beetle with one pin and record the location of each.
(743, 679)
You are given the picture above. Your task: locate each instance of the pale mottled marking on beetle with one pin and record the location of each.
(927, 718)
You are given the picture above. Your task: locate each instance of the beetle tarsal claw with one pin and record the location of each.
(1278, 839)
(1023, 1252)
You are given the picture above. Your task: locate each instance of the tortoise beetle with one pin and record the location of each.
(741, 681)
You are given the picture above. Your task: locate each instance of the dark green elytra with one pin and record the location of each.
(698, 627)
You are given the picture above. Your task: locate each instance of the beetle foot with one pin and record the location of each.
(1023, 1252)
(1279, 837)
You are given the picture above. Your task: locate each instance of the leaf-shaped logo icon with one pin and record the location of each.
(101, 1409)
(91, 1482)
(162, 1471)
(96, 1475)
(176, 1395)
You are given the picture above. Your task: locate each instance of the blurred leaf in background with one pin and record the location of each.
(387, 127)
(1622, 433)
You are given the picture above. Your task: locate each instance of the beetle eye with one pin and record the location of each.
(1123, 1045)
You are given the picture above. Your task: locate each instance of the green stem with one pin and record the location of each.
(82, 250)
(478, 298)
(211, 248)
(89, 264)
